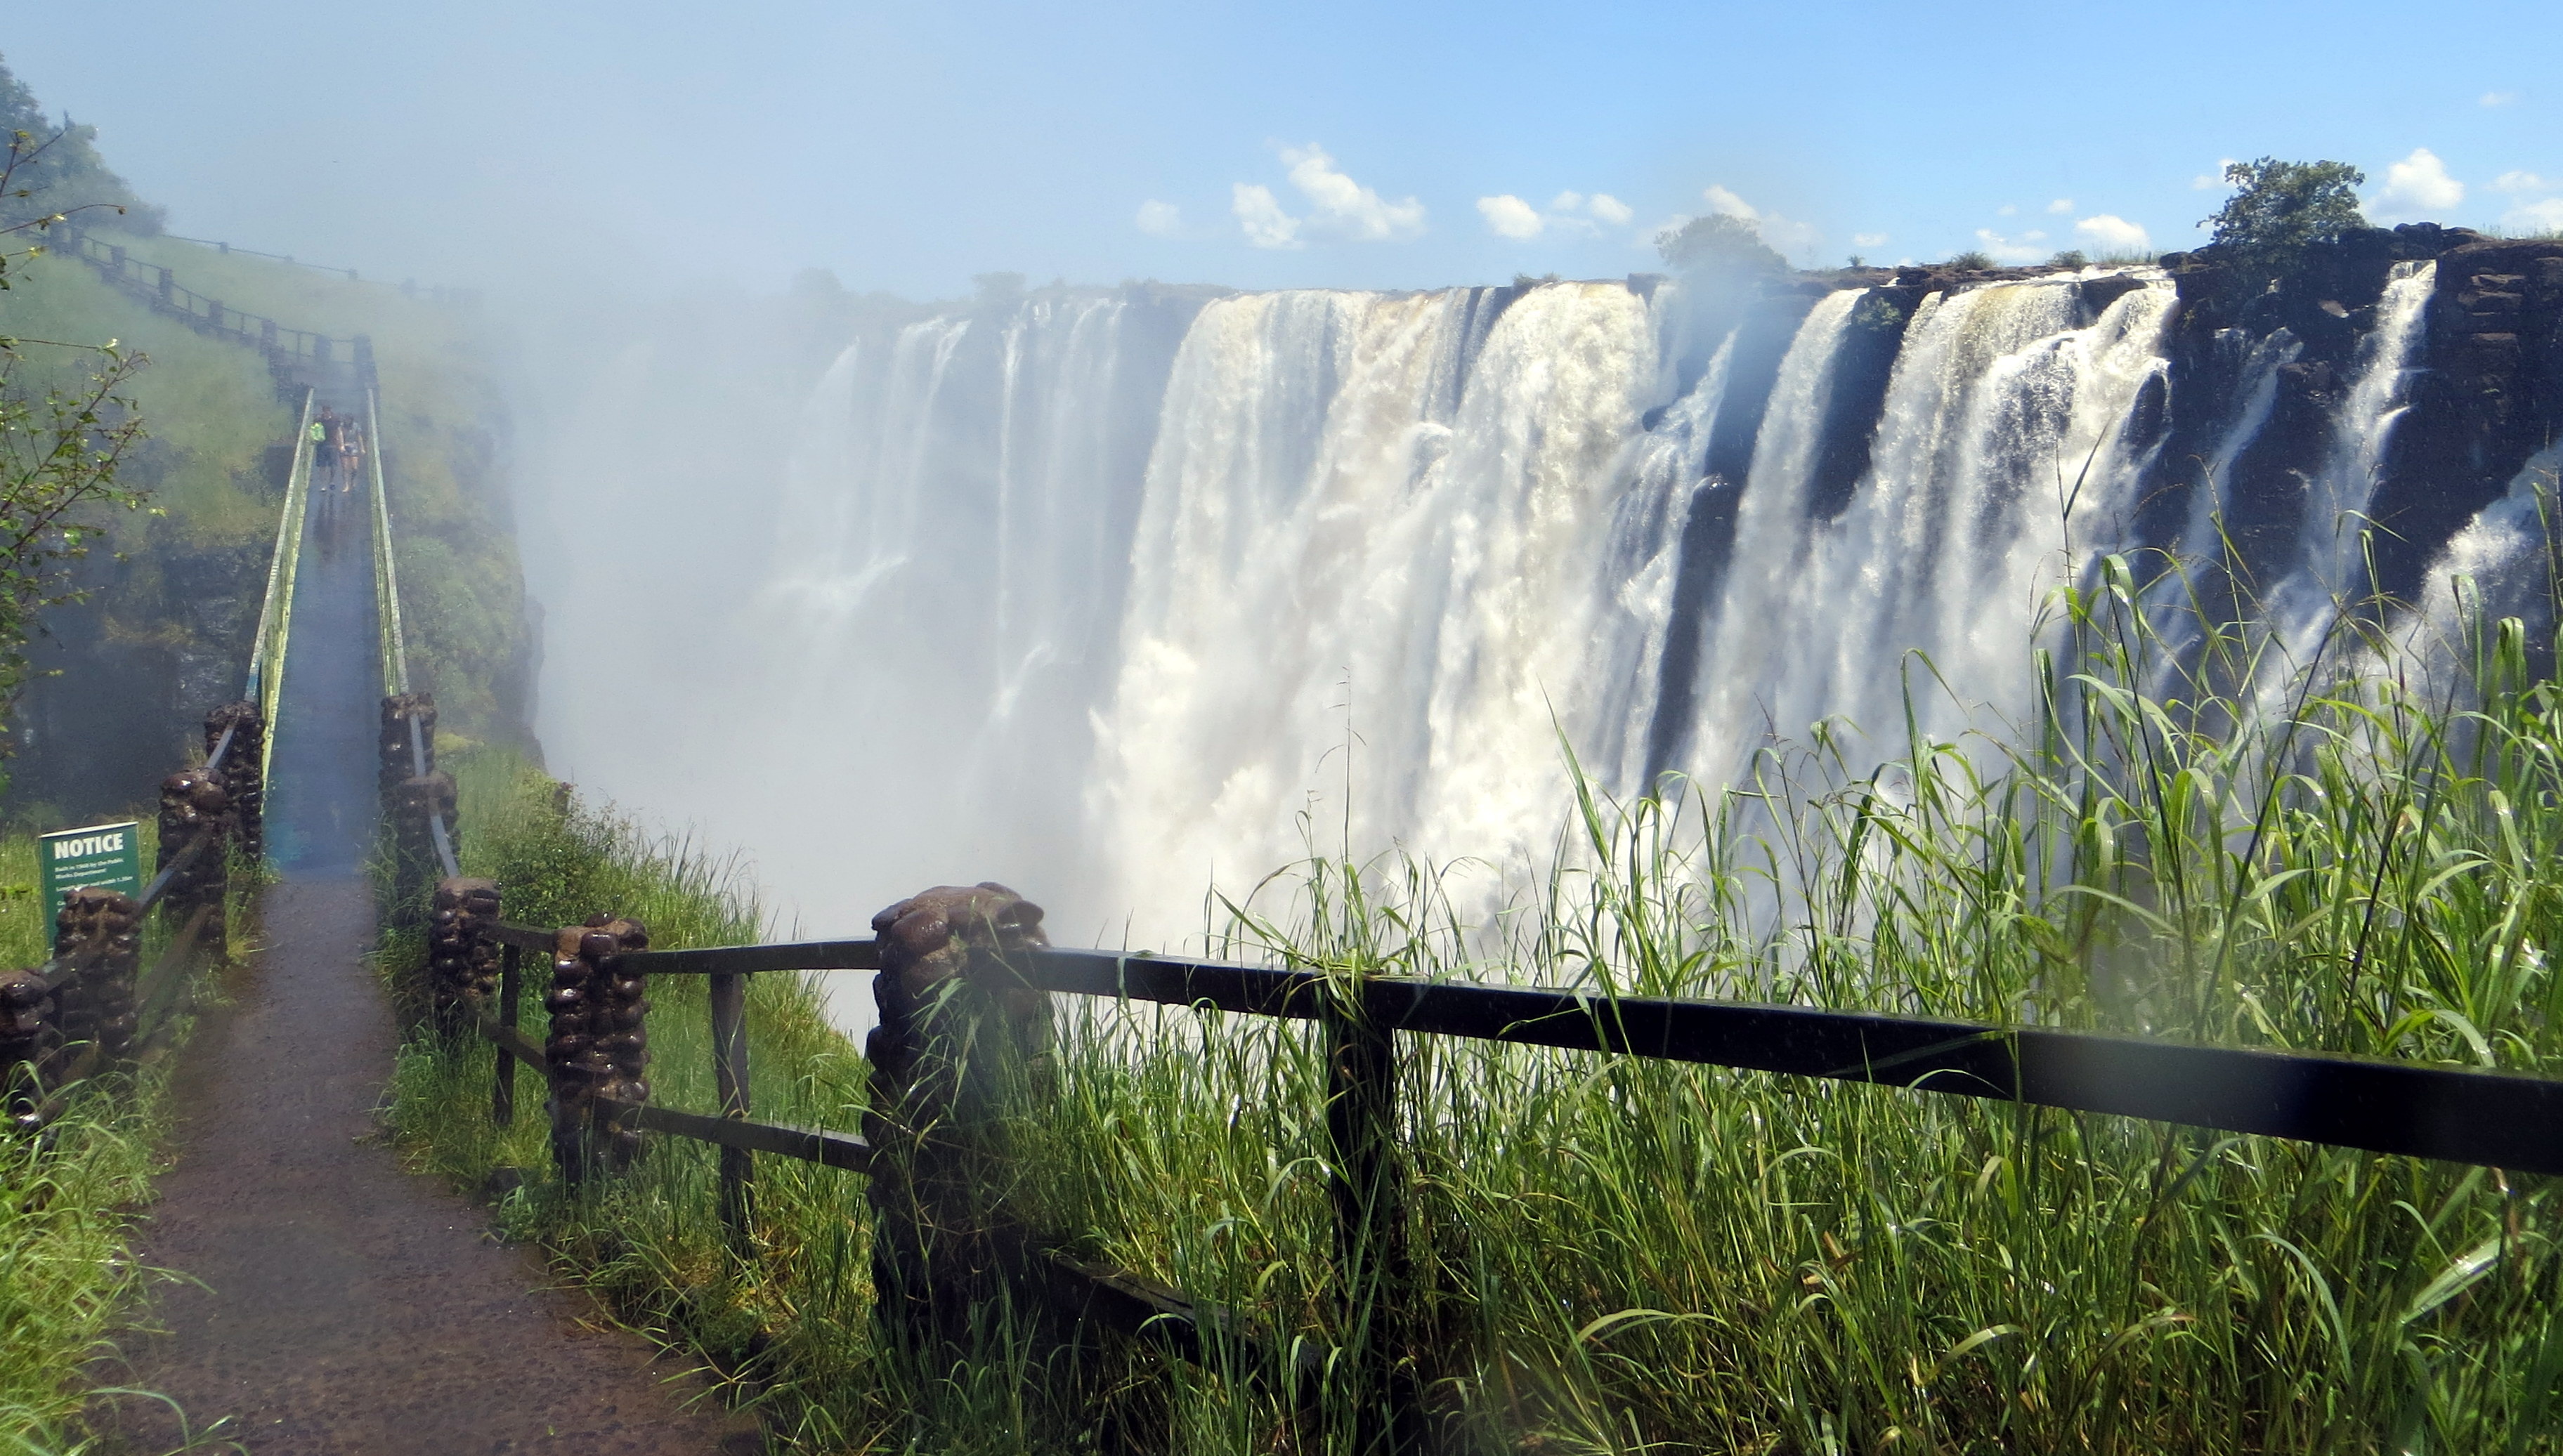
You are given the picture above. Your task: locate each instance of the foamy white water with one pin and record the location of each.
(1115, 596)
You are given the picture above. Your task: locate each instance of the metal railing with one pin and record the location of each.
(275, 611)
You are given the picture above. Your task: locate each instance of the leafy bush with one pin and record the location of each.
(1718, 245)
(2279, 209)
(1974, 259)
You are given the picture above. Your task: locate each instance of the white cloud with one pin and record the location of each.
(1571, 213)
(2544, 216)
(1265, 224)
(2415, 186)
(1727, 204)
(2007, 211)
(2008, 250)
(2499, 98)
(1338, 206)
(2111, 232)
(2530, 212)
(2210, 181)
(2061, 206)
(1160, 218)
(1868, 239)
(1508, 216)
(1344, 206)
(1785, 234)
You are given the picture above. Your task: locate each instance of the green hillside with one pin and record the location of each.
(165, 634)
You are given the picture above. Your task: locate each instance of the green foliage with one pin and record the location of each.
(59, 458)
(54, 171)
(2279, 209)
(1974, 259)
(1720, 247)
(2070, 258)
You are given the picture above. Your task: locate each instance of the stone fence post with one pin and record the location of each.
(462, 964)
(102, 934)
(26, 1034)
(243, 773)
(195, 809)
(963, 1046)
(599, 1048)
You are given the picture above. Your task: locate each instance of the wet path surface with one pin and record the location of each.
(347, 1307)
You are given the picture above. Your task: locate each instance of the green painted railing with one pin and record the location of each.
(275, 614)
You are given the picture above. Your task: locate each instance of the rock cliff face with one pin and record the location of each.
(2488, 392)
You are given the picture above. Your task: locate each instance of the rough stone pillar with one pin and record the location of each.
(962, 1044)
(193, 808)
(26, 1037)
(419, 800)
(599, 1048)
(243, 772)
(395, 765)
(101, 935)
(462, 964)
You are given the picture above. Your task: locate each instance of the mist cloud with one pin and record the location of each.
(1786, 234)
(1160, 218)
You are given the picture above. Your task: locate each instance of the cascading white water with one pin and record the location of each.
(2327, 571)
(1115, 596)
(1364, 597)
(2000, 402)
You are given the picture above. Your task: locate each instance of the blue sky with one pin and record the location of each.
(908, 147)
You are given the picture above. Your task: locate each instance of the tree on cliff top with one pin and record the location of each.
(1720, 246)
(57, 169)
(2279, 209)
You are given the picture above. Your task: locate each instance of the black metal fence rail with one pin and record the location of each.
(2374, 1104)
(2448, 1112)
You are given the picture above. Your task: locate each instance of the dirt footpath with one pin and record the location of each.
(345, 1305)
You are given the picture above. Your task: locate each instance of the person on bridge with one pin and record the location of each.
(320, 441)
(351, 455)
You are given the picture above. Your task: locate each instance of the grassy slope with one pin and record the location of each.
(463, 593)
(170, 624)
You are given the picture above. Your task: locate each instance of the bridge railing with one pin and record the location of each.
(91, 1005)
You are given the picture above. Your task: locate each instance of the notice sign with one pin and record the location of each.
(106, 855)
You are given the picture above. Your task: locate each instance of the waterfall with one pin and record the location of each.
(2327, 574)
(1997, 468)
(1367, 603)
(1119, 595)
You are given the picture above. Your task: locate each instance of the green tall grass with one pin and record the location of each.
(2193, 838)
(69, 1200)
